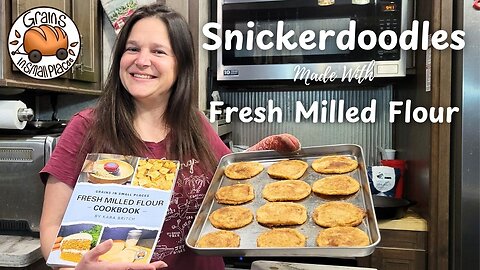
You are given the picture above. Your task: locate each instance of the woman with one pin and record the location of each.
(149, 112)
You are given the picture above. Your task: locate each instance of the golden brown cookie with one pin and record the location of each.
(335, 214)
(243, 170)
(287, 169)
(336, 185)
(334, 164)
(281, 238)
(286, 190)
(219, 239)
(231, 217)
(281, 213)
(342, 237)
(235, 194)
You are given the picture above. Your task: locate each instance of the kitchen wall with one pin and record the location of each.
(369, 136)
(67, 105)
(43, 103)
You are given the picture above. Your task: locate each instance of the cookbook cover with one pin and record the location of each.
(123, 198)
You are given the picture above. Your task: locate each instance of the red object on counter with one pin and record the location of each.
(401, 165)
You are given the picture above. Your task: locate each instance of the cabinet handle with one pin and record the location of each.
(80, 65)
(77, 67)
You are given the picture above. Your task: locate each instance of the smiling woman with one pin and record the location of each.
(148, 65)
(146, 109)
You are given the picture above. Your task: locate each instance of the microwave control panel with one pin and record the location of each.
(389, 17)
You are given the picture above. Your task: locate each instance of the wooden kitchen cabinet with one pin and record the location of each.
(181, 6)
(85, 75)
(398, 259)
(398, 250)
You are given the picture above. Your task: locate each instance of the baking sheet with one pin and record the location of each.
(249, 233)
(269, 265)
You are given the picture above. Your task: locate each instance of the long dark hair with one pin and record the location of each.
(113, 130)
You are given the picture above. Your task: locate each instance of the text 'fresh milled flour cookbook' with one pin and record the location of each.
(123, 198)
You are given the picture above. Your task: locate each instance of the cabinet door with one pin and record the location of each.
(20, 6)
(87, 67)
(397, 259)
(181, 6)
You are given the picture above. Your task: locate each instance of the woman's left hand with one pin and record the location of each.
(91, 261)
(282, 143)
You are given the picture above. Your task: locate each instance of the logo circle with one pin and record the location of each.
(44, 43)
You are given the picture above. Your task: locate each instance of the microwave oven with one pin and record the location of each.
(273, 39)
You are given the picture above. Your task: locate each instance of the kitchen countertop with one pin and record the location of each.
(19, 251)
(410, 222)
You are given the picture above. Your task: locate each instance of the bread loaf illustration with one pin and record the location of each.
(45, 40)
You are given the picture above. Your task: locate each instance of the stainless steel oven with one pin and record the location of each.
(268, 39)
(21, 190)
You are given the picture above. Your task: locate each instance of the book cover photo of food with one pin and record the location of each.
(123, 198)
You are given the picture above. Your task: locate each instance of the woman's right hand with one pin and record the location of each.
(283, 143)
(91, 261)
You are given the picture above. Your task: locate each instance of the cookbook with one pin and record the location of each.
(118, 197)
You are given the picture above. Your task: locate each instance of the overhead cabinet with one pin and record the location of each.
(84, 75)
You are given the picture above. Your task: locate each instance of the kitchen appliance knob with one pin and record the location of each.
(25, 114)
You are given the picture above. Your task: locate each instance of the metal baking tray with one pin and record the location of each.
(269, 265)
(249, 233)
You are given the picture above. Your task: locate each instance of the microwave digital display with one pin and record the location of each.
(390, 7)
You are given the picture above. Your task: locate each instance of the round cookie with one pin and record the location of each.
(281, 213)
(235, 194)
(286, 190)
(243, 170)
(342, 237)
(287, 169)
(231, 217)
(219, 239)
(336, 185)
(334, 164)
(284, 237)
(335, 214)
